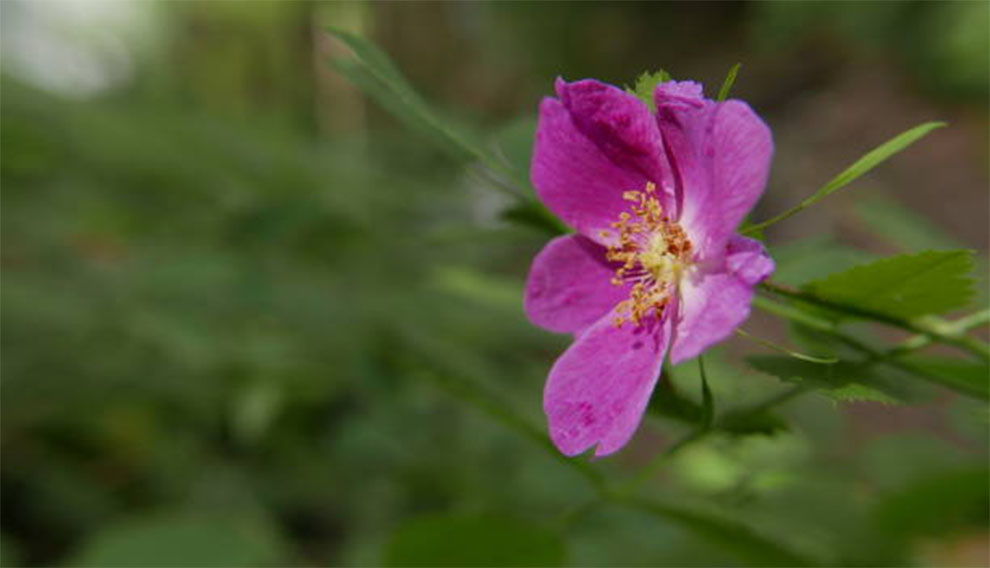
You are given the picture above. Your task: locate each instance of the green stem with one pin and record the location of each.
(935, 332)
(872, 355)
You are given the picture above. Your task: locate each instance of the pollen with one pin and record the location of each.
(653, 252)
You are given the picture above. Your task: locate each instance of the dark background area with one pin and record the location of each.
(238, 297)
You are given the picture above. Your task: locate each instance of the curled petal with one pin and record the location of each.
(569, 285)
(599, 388)
(592, 145)
(748, 260)
(620, 124)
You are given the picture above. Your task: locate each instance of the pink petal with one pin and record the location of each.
(748, 260)
(720, 154)
(591, 146)
(715, 303)
(619, 123)
(569, 285)
(599, 388)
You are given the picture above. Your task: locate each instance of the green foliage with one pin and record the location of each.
(226, 343)
(902, 227)
(870, 160)
(184, 539)
(646, 85)
(730, 80)
(747, 544)
(841, 381)
(967, 377)
(905, 286)
(446, 540)
(937, 504)
(372, 71)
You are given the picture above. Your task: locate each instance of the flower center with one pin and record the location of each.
(653, 250)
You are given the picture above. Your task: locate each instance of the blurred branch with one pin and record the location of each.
(935, 328)
(872, 355)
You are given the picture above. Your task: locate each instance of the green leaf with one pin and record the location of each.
(869, 161)
(446, 540)
(646, 85)
(937, 505)
(843, 381)
(667, 403)
(372, 71)
(730, 80)
(964, 376)
(905, 286)
(184, 539)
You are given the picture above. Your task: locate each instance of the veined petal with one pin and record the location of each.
(569, 285)
(592, 145)
(748, 260)
(714, 304)
(619, 123)
(720, 156)
(599, 388)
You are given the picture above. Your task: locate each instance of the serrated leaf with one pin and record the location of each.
(843, 381)
(445, 540)
(646, 85)
(905, 286)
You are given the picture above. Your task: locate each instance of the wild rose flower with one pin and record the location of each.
(656, 263)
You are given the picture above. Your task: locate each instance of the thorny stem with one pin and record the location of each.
(935, 329)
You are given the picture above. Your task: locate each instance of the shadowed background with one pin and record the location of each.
(240, 300)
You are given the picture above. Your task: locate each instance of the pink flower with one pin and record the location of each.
(656, 263)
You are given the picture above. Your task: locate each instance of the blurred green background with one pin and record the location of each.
(249, 319)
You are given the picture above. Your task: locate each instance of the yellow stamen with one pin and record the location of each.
(653, 251)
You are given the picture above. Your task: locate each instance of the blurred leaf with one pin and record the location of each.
(667, 403)
(964, 376)
(843, 381)
(646, 86)
(904, 286)
(870, 160)
(372, 70)
(750, 546)
(901, 226)
(730, 79)
(184, 539)
(938, 504)
(447, 540)
(801, 261)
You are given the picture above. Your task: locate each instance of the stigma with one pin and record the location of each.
(653, 253)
